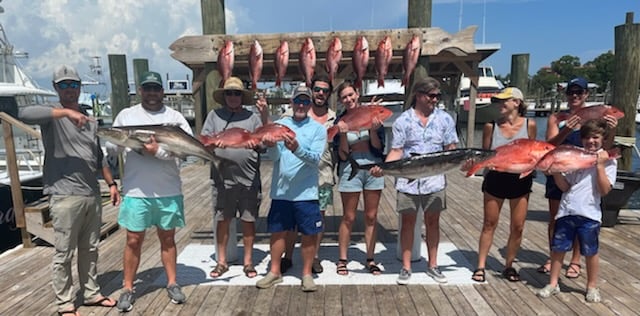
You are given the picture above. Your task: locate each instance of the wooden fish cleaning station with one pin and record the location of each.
(443, 56)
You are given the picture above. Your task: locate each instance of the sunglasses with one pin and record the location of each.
(575, 92)
(431, 95)
(152, 88)
(66, 85)
(319, 89)
(236, 93)
(302, 101)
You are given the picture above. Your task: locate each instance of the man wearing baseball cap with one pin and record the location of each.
(294, 188)
(72, 160)
(568, 132)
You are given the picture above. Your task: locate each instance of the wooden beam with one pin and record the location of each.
(194, 49)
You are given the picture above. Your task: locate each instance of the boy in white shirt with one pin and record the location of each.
(580, 213)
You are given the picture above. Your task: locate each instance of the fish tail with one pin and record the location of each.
(380, 82)
(354, 167)
(614, 153)
(278, 81)
(405, 81)
(332, 132)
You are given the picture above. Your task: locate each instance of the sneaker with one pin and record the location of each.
(316, 267)
(175, 294)
(436, 275)
(308, 285)
(548, 291)
(593, 295)
(268, 281)
(285, 264)
(403, 277)
(125, 302)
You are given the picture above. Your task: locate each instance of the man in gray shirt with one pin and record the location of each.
(240, 187)
(73, 158)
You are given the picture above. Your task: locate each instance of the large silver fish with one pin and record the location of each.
(170, 138)
(426, 165)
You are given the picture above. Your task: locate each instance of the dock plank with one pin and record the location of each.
(26, 288)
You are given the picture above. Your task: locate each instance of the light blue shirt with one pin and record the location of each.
(295, 174)
(411, 136)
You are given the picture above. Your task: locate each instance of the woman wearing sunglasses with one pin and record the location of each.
(365, 147)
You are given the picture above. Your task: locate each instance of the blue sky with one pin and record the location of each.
(72, 31)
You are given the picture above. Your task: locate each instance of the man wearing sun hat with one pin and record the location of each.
(294, 189)
(152, 189)
(240, 188)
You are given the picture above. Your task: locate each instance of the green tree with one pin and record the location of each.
(567, 67)
(600, 70)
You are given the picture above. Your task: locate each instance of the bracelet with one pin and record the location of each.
(113, 184)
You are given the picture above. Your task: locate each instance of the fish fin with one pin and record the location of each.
(380, 82)
(474, 169)
(278, 81)
(526, 173)
(414, 154)
(332, 132)
(614, 153)
(354, 167)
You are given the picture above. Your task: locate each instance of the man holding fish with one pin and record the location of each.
(294, 188)
(152, 189)
(321, 89)
(236, 181)
(563, 128)
(423, 128)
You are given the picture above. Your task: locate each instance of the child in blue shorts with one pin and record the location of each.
(580, 214)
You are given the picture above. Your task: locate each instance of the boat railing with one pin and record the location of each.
(8, 123)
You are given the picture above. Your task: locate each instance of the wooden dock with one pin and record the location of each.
(25, 287)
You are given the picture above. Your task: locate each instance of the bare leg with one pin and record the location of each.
(131, 259)
(222, 238)
(168, 253)
(349, 205)
(371, 201)
(308, 251)
(406, 236)
(290, 243)
(518, 217)
(248, 236)
(593, 269)
(432, 222)
(319, 239)
(277, 245)
(492, 206)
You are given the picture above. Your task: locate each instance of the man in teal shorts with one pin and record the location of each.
(152, 189)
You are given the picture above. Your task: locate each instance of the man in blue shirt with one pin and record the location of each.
(294, 188)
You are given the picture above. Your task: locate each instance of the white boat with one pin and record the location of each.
(488, 86)
(18, 90)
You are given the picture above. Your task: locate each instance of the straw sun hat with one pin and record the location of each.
(233, 83)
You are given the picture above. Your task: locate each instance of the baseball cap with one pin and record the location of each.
(508, 93)
(150, 77)
(578, 81)
(301, 90)
(65, 72)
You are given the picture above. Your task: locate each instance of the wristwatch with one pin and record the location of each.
(113, 184)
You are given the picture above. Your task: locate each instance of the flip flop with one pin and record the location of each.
(250, 271)
(71, 312)
(103, 301)
(219, 270)
(572, 272)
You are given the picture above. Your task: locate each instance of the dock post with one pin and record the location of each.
(416, 252)
(232, 242)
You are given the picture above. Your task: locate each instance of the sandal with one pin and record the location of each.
(219, 270)
(511, 274)
(341, 267)
(572, 272)
(103, 301)
(545, 268)
(71, 312)
(478, 275)
(373, 267)
(250, 271)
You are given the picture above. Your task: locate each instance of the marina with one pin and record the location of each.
(26, 288)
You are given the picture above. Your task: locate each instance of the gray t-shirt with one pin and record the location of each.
(244, 165)
(72, 156)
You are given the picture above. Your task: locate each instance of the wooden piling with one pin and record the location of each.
(119, 83)
(627, 81)
(520, 72)
(140, 66)
(419, 15)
